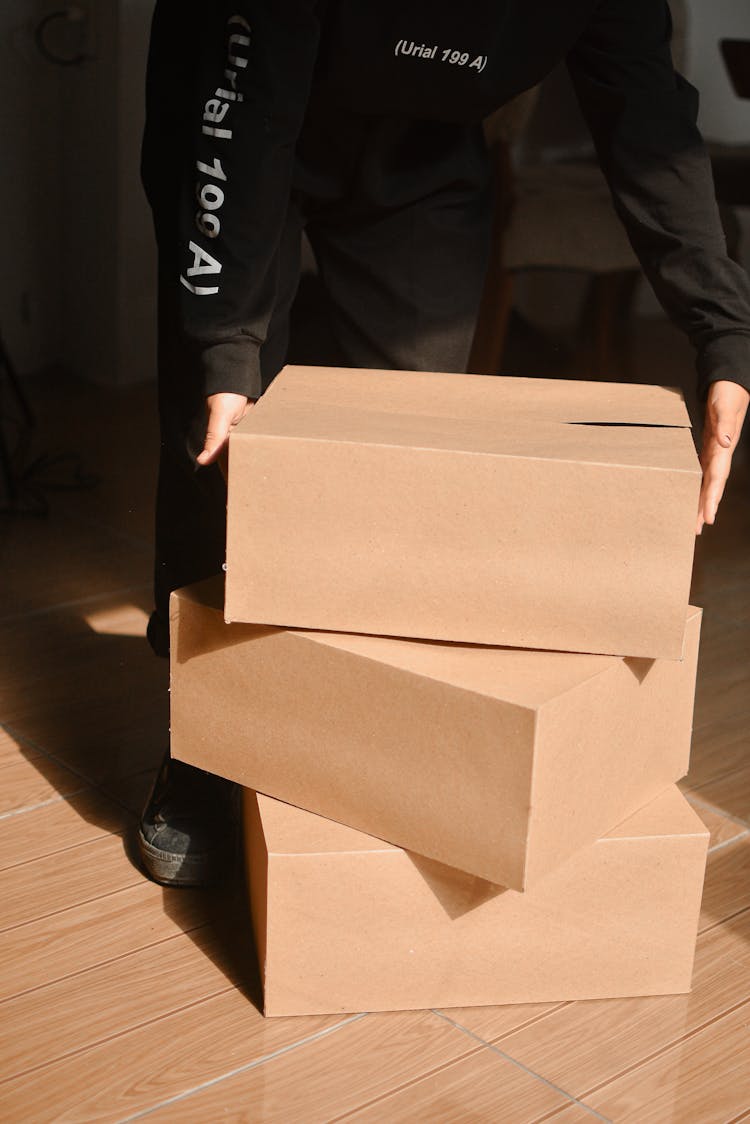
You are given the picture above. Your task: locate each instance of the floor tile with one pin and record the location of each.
(96, 702)
(727, 888)
(706, 1078)
(723, 685)
(26, 784)
(131, 791)
(585, 1044)
(494, 1087)
(13, 750)
(78, 1011)
(57, 826)
(723, 829)
(730, 794)
(46, 562)
(720, 748)
(168, 1058)
(573, 1114)
(332, 1076)
(47, 885)
(78, 938)
(489, 1023)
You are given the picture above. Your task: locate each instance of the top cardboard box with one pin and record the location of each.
(532, 513)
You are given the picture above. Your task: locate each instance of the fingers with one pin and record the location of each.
(725, 413)
(224, 413)
(715, 476)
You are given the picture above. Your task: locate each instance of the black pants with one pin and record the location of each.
(398, 215)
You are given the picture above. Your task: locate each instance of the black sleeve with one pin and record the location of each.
(227, 90)
(643, 119)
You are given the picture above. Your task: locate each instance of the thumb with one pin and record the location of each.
(723, 426)
(725, 412)
(724, 432)
(216, 436)
(217, 430)
(224, 412)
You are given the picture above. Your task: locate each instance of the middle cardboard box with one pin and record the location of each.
(500, 762)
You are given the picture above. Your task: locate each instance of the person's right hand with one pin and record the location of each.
(225, 411)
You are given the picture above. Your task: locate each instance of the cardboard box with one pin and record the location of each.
(528, 512)
(498, 761)
(344, 922)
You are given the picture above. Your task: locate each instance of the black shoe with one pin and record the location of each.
(188, 829)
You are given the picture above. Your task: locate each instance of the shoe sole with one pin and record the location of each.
(169, 869)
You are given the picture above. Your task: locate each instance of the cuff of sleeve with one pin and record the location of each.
(724, 357)
(232, 367)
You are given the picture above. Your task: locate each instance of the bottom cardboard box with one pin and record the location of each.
(345, 922)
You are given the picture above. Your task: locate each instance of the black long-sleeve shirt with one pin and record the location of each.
(228, 89)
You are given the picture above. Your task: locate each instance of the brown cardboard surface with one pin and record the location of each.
(529, 512)
(497, 761)
(348, 923)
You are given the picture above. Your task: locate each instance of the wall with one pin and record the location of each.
(89, 220)
(77, 287)
(136, 285)
(109, 295)
(30, 124)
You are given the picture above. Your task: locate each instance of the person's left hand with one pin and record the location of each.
(726, 407)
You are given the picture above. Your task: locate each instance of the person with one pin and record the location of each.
(360, 122)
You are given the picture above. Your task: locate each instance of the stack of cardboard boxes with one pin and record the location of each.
(469, 637)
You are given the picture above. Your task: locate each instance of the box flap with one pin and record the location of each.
(472, 396)
(669, 814)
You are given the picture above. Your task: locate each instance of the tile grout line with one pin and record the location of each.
(728, 842)
(692, 792)
(553, 1112)
(45, 753)
(65, 1057)
(709, 807)
(18, 736)
(670, 1046)
(59, 799)
(67, 908)
(9, 762)
(537, 1019)
(242, 1069)
(57, 851)
(558, 1006)
(724, 920)
(44, 610)
(720, 776)
(94, 786)
(676, 1042)
(524, 1068)
(408, 1082)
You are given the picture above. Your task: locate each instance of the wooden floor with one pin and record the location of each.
(122, 1000)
